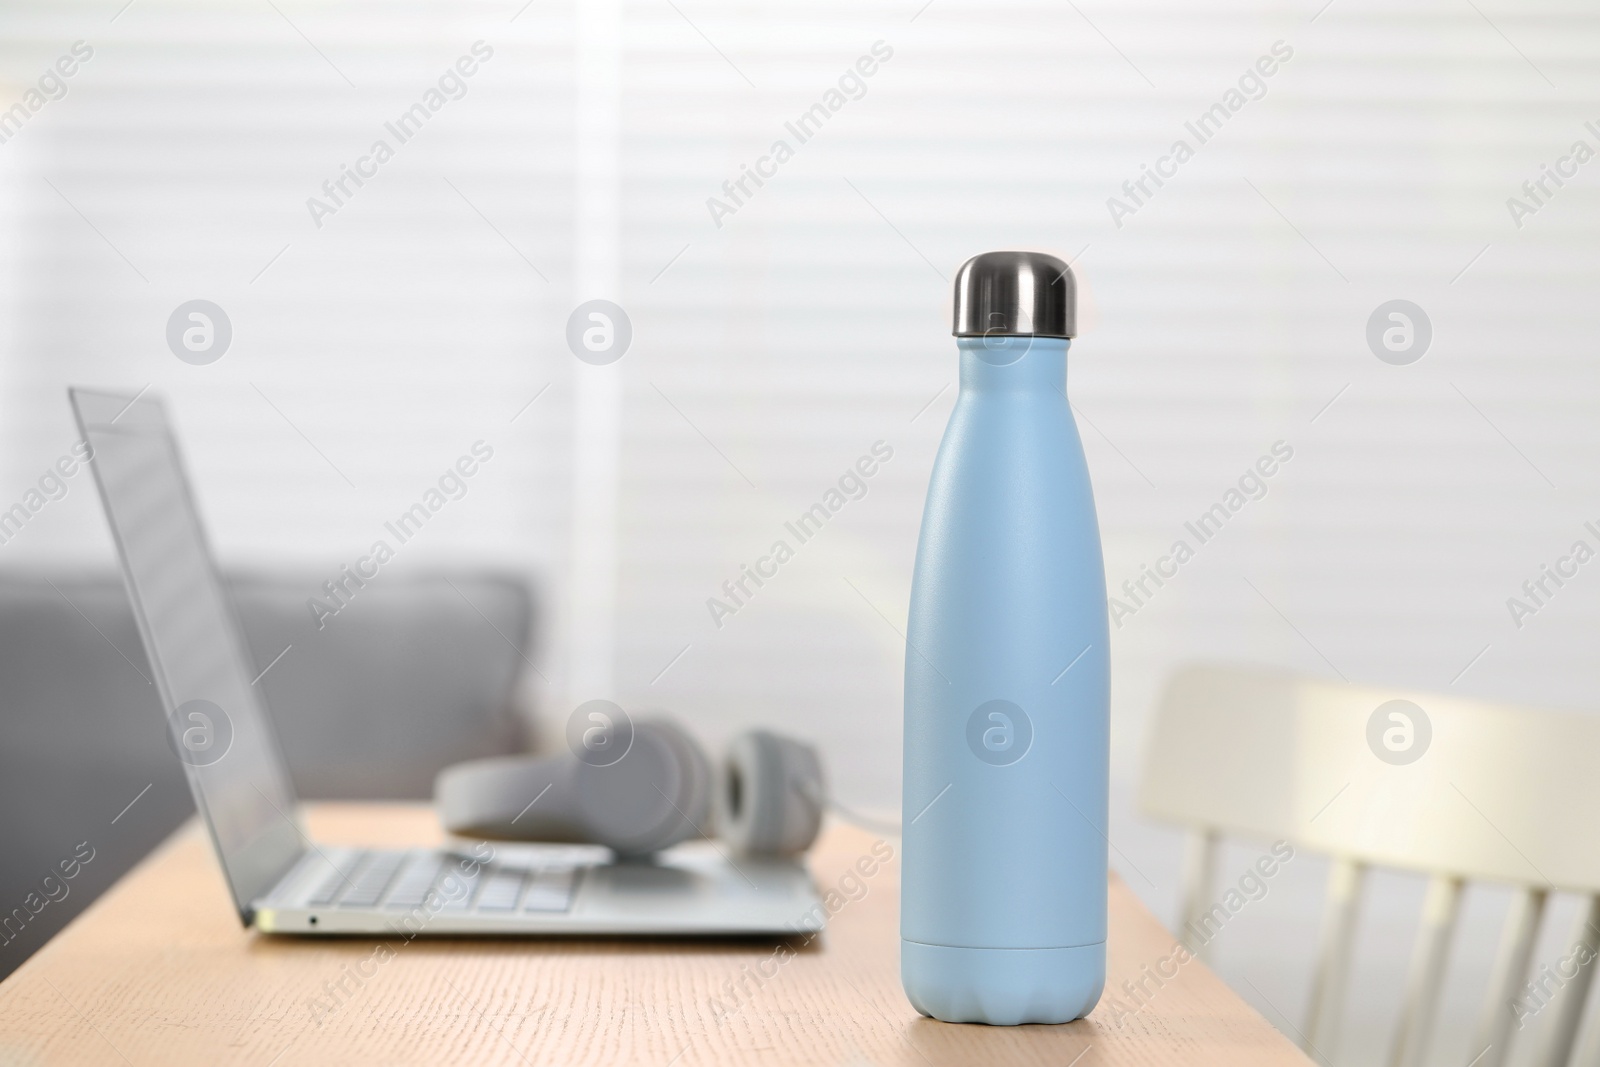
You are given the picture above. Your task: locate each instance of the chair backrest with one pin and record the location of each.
(1457, 789)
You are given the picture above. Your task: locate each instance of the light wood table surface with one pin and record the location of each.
(158, 971)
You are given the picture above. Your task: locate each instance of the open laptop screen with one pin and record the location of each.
(217, 723)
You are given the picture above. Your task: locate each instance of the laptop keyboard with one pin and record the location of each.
(403, 880)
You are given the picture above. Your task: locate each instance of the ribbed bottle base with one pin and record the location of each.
(1003, 986)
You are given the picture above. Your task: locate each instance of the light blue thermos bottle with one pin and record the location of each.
(1003, 898)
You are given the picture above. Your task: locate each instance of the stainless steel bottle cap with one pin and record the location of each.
(1015, 294)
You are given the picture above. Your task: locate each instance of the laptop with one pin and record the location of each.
(282, 881)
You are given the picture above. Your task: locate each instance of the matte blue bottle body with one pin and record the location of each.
(1003, 898)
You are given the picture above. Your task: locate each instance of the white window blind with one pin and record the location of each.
(380, 329)
(1227, 312)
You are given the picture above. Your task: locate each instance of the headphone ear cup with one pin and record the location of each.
(510, 798)
(655, 796)
(771, 794)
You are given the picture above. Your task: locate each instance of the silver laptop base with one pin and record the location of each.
(692, 890)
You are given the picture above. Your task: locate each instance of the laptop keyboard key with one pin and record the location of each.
(411, 888)
(458, 887)
(372, 879)
(502, 890)
(337, 880)
(330, 888)
(550, 890)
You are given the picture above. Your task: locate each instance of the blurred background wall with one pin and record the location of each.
(777, 337)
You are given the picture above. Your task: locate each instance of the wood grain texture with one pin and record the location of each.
(158, 971)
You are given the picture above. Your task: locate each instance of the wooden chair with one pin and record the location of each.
(1498, 794)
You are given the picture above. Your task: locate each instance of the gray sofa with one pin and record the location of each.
(417, 672)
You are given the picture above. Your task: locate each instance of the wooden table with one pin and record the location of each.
(159, 971)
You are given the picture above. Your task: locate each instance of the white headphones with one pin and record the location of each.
(768, 794)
